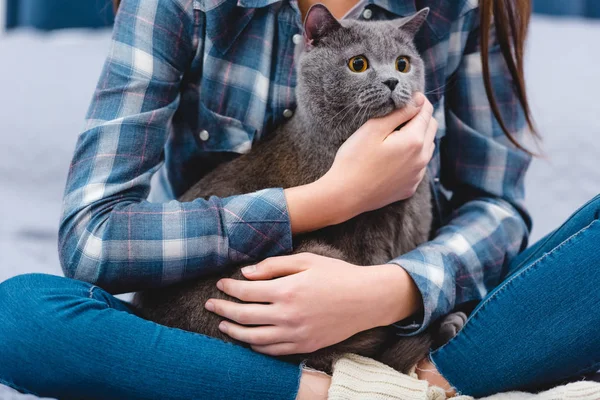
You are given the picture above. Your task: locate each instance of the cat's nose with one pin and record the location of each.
(391, 83)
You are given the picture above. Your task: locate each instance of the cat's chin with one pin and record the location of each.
(384, 109)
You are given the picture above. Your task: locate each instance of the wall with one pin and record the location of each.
(57, 14)
(581, 8)
(2, 17)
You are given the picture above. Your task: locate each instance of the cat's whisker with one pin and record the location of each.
(441, 89)
(365, 114)
(343, 109)
(356, 115)
(345, 114)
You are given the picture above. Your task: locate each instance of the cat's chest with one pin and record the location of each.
(379, 236)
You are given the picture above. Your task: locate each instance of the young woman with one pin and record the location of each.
(189, 84)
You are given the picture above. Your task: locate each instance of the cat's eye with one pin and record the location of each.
(358, 64)
(403, 64)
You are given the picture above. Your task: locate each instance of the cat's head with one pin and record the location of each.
(352, 71)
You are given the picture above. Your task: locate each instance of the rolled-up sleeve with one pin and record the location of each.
(110, 235)
(469, 255)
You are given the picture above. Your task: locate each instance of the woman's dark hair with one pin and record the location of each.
(511, 21)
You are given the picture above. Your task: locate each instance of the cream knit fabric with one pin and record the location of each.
(359, 378)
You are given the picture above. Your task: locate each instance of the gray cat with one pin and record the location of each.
(351, 71)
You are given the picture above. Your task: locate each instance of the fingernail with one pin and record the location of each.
(223, 327)
(209, 306)
(220, 285)
(419, 99)
(250, 269)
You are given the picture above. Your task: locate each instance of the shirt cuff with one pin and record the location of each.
(257, 225)
(432, 280)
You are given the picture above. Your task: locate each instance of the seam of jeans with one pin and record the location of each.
(18, 388)
(503, 285)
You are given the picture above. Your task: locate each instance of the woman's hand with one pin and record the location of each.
(375, 167)
(314, 302)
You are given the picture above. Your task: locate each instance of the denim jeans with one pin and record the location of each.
(542, 324)
(69, 339)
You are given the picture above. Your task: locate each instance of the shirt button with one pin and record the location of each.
(297, 39)
(203, 135)
(288, 113)
(367, 14)
(436, 180)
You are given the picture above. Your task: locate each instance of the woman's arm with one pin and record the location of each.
(469, 255)
(109, 234)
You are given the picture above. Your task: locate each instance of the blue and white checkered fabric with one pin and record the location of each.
(189, 84)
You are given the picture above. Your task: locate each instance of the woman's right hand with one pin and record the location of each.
(377, 165)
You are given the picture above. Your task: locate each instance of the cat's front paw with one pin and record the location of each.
(449, 327)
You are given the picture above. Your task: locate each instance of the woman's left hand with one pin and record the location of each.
(314, 302)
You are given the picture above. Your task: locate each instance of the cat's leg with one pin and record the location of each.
(449, 326)
(407, 351)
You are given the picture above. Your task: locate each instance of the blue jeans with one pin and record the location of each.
(541, 325)
(68, 339)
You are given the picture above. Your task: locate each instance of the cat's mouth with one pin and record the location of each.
(382, 109)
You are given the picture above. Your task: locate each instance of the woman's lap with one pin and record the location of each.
(68, 339)
(538, 327)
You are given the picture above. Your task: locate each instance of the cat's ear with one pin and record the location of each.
(319, 22)
(414, 23)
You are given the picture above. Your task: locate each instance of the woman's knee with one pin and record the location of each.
(590, 211)
(595, 203)
(30, 289)
(32, 319)
(32, 300)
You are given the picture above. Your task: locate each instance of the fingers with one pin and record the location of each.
(276, 267)
(389, 123)
(421, 121)
(420, 133)
(257, 292)
(429, 146)
(245, 314)
(278, 349)
(254, 335)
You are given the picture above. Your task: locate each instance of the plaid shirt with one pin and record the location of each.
(189, 84)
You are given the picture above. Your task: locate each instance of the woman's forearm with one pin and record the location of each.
(315, 206)
(395, 293)
(367, 173)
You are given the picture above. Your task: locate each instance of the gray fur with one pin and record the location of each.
(333, 102)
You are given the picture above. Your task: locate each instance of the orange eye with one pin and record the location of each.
(403, 64)
(358, 64)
